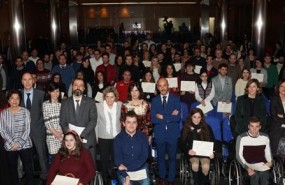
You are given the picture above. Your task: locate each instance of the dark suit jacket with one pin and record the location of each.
(87, 118)
(38, 129)
(172, 122)
(276, 108)
(242, 112)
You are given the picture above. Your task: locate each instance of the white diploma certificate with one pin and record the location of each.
(197, 69)
(78, 130)
(147, 63)
(224, 107)
(203, 148)
(258, 166)
(257, 76)
(137, 175)
(206, 108)
(172, 82)
(148, 87)
(99, 97)
(62, 180)
(188, 86)
(177, 66)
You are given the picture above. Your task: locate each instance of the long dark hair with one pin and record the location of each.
(64, 152)
(204, 134)
(131, 87)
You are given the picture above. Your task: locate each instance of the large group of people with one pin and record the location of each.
(122, 99)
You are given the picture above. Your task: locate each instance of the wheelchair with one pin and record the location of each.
(238, 175)
(98, 179)
(186, 176)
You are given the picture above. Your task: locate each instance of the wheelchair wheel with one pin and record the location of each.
(98, 180)
(278, 171)
(235, 176)
(215, 172)
(184, 173)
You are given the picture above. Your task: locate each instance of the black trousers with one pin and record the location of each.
(26, 156)
(39, 144)
(4, 173)
(106, 153)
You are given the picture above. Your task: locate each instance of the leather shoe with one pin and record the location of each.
(170, 183)
(42, 182)
(160, 181)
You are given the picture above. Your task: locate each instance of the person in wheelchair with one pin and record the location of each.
(253, 147)
(131, 152)
(196, 128)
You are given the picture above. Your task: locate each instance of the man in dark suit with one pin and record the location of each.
(33, 99)
(80, 111)
(165, 115)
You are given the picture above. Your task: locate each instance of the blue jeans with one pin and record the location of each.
(140, 182)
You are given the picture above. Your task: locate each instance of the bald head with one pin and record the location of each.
(162, 86)
(27, 81)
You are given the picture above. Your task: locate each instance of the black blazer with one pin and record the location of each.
(37, 122)
(276, 107)
(87, 118)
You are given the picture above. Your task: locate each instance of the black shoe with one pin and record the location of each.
(43, 182)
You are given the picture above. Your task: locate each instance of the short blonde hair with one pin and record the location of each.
(111, 89)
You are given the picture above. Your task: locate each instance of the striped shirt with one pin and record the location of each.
(15, 128)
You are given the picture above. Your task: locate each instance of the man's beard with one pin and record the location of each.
(77, 92)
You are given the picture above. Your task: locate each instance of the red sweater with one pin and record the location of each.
(110, 70)
(82, 168)
(122, 89)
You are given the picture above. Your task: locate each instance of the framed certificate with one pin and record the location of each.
(148, 87)
(177, 66)
(188, 86)
(224, 107)
(172, 82)
(197, 69)
(257, 76)
(203, 148)
(147, 63)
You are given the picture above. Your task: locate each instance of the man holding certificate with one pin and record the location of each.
(254, 154)
(197, 143)
(165, 116)
(131, 153)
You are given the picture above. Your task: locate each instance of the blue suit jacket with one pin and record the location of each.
(168, 127)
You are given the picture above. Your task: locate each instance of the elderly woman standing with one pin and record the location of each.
(15, 130)
(108, 126)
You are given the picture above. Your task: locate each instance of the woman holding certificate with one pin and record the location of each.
(188, 95)
(141, 107)
(242, 81)
(99, 85)
(205, 90)
(250, 104)
(196, 129)
(170, 74)
(72, 160)
(148, 78)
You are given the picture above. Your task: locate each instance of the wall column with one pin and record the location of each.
(17, 27)
(54, 24)
(259, 14)
(204, 24)
(224, 20)
(73, 22)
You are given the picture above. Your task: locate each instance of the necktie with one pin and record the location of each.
(28, 102)
(164, 102)
(77, 107)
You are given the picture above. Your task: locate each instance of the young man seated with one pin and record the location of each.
(253, 147)
(131, 152)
